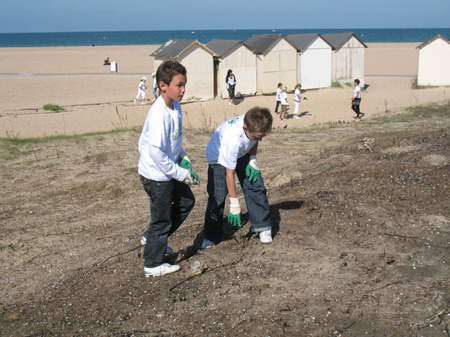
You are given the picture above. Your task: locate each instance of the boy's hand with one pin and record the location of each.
(252, 170)
(186, 163)
(191, 178)
(234, 215)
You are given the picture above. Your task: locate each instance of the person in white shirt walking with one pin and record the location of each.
(141, 90)
(165, 168)
(230, 81)
(356, 99)
(297, 99)
(284, 104)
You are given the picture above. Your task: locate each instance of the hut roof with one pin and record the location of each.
(434, 38)
(337, 40)
(220, 47)
(174, 48)
(263, 43)
(303, 41)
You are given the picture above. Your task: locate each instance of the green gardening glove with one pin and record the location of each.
(252, 170)
(186, 163)
(234, 215)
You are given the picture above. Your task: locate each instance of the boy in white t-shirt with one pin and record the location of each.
(356, 99)
(278, 96)
(284, 104)
(232, 150)
(165, 169)
(141, 90)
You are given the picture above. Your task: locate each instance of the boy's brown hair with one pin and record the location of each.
(168, 70)
(258, 120)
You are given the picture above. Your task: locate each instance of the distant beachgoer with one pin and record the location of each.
(155, 86)
(297, 99)
(278, 96)
(141, 90)
(107, 62)
(230, 80)
(284, 104)
(356, 99)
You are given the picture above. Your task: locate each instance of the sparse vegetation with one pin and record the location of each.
(336, 85)
(360, 214)
(53, 107)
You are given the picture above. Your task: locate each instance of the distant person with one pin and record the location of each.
(165, 169)
(155, 86)
(107, 62)
(356, 99)
(232, 151)
(278, 96)
(230, 81)
(297, 99)
(284, 104)
(141, 90)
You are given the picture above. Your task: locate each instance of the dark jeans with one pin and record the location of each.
(170, 204)
(355, 107)
(231, 91)
(255, 198)
(277, 106)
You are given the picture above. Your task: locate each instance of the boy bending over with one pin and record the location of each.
(165, 169)
(232, 150)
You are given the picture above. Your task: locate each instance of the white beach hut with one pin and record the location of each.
(314, 60)
(198, 61)
(234, 55)
(434, 62)
(348, 57)
(276, 61)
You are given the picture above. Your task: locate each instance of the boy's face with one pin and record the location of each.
(175, 90)
(256, 136)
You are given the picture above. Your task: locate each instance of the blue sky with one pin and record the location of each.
(116, 15)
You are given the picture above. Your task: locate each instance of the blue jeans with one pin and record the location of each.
(170, 204)
(255, 198)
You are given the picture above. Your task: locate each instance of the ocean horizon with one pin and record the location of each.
(111, 38)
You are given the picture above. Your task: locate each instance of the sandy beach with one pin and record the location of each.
(97, 100)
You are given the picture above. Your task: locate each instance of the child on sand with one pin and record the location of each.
(356, 99)
(284, 104)
(141, 90)
(297, 99)
(232, 150)
(165, 169)
(278, 96)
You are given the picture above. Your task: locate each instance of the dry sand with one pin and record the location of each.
(98, 100)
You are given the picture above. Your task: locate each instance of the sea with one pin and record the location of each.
(204, 36)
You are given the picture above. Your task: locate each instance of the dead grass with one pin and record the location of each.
(361, 223)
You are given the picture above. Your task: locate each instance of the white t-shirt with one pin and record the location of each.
(297, 95)
(160, 143)
(284, 97)
(279, 94)
(357, 92)
(229, 143)
(142, 85)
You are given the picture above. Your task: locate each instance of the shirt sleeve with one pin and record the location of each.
(169, 168)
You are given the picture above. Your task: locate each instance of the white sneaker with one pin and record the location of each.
(265, 236)
(161, 270)
(169, 250)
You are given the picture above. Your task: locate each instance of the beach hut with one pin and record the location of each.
(434, 62)
(348, 57)
(314, 60)
(234, 55)
(276, 61)
(198, 61)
